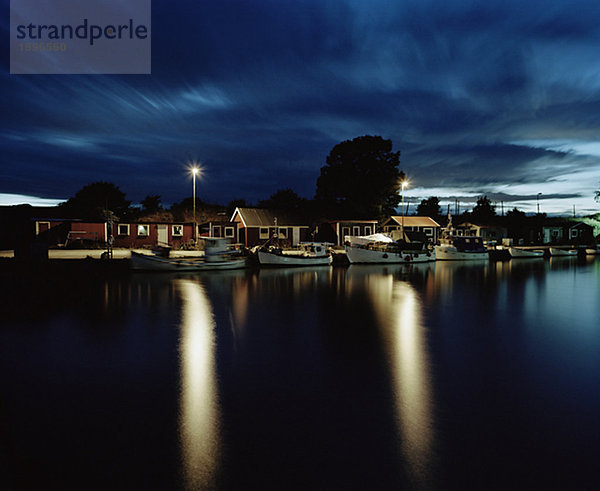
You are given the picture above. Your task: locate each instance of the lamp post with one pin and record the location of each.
(538, 203)
(404, 183)
(195, 171)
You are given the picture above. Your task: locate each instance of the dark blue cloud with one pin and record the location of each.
(261, 91)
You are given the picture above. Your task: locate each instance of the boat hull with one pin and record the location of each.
(443, 253)
(524, 253)
(358, 255)
(270, 259)
(143, 262)
(592, 252)
(562, 252)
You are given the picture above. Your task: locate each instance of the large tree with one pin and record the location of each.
(284, 200)
(93, 201)
(361, 179)
(151, 203)
(429, 207)
(484, 211)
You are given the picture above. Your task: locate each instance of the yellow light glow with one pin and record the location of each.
(398, 309)
(196, 169)
(199, 406)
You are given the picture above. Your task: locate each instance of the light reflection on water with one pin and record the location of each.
(398, 309)
(454, 372)
(199, 418)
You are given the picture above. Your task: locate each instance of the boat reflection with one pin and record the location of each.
(398, 309)
(199, 406)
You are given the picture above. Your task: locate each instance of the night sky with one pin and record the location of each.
(493, 97)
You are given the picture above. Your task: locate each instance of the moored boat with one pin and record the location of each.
(459, 248)
(309, 254)
(217, 256)
(517, 252)
(591, 251)
(379, 248)
(554, 251)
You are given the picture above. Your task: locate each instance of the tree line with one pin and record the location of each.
(361, 179)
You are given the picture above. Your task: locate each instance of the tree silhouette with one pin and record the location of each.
(360, 179)
(483, 212)
(93, 200)
(284, 200)
(151, 203)
(429, 207)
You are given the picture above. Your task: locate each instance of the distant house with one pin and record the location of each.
(257, 225)
(219, 228)
(335, 231)
(488, 233)
(567, 231)
(133, 235)
(65, 231)
(426, 225)
(141, 234)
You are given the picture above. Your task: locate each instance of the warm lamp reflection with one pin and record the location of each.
(399, 313)
(199, 412)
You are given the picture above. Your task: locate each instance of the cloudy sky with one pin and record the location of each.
(496, 98)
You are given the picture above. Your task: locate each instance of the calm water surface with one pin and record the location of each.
(440, 376)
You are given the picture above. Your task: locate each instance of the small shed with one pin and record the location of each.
(257, 225)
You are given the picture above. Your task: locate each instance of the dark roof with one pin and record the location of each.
(259, 217)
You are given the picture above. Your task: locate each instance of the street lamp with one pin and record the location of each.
(538, 203)
(404, 183)
(195, 171)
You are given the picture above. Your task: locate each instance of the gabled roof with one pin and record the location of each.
(353, 221)
(259, 217)
(476, 225)
(412, 221)
(565, 223)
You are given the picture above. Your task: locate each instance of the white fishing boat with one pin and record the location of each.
(381, 249)
(309, 254)
(517, 252)
(217, 256)
(459, 248)
(590, 251)
(554, 251)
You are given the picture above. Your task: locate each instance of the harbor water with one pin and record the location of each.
(447, 375)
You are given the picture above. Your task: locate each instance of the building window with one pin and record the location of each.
(264, 233)
(123, 229)
(177, 230)
(229, 232)
(573, 233)
(368, 230)
(345, 231)
(356, 231)
(428, 231)
(143, 230)
(283, 233)
(42, 227)
(216, 231)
